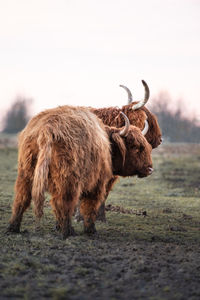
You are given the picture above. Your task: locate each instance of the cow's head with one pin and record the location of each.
(137, 114)
(131, 153)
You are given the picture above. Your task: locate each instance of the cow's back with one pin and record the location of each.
(79, 143)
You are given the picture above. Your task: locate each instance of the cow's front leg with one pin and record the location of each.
(101, 216)
(67, 229)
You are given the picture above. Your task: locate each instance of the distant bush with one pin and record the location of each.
(176, 127)
(17, 116)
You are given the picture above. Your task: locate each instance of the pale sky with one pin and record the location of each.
(79, 51)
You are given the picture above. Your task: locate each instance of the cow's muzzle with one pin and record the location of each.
(145, 172)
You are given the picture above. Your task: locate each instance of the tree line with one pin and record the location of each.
(17, 116)
(175, 125)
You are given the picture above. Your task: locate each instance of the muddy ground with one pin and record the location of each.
(147, 249)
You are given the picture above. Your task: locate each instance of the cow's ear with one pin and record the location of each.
(119, 143)
(109, 130)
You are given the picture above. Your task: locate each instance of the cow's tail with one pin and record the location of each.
(40, 179)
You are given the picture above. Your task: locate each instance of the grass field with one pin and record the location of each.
(149, 248)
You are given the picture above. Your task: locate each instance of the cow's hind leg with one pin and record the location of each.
(101, 214)
(89, 209)
(63, 206)
(21, 202)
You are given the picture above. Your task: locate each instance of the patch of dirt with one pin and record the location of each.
(155, 257)
(104, 266)
(120, 209)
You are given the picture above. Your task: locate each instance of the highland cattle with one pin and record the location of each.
(138, 116)
(69, 153)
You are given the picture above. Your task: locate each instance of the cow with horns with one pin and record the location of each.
(138, 116)
(71, 154)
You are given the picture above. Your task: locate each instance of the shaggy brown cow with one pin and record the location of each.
(138, 115)
(66, 151)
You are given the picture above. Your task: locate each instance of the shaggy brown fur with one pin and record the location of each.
(111, 117)
(66, 151)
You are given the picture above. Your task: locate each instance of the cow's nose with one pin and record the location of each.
(150, 170)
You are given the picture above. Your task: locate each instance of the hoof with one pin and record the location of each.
(69, 232)
(90, 229)
(13, 228)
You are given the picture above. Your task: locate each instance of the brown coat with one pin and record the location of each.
(111, 117)
(66, 152)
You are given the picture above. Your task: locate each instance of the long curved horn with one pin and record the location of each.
(124, 131)
(146, 127)
(130, 97)
(146, 97)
